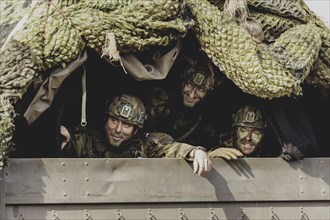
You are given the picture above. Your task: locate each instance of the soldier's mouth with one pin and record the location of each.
(116, 138)
(188, 99)
(248, 146)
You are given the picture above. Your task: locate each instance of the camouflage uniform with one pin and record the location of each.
(248, 116)
(93, 142)
(227, 140)
(168, 113)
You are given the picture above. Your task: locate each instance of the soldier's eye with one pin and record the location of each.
(257, 133)
(113, 120)
(243, 130)
(201, 90)
(127, 125)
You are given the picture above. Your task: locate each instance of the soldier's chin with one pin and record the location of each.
(247, 149)
(189, 104)
(115, 143)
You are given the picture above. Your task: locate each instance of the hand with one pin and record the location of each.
(291, 152)
(201, 162)
(225, 152)
(65, 136)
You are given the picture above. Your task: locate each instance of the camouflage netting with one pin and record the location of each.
(39, 35)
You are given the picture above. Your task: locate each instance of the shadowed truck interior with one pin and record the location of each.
(42, 139)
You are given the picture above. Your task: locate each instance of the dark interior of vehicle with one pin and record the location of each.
(41, 139)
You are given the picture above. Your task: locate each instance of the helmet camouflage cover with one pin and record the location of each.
(249, 116)
(199, 73)
(127, 108)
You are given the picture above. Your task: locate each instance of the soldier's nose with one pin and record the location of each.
(248, 137)
(192, 92)
(118, 128)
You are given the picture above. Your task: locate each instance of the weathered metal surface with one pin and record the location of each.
(171, 211)
(54, 181)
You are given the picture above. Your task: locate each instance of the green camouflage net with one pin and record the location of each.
(249, 65)
(37, 36)
(6, 129)
(272, 25)
(51, 34)
(18, 67)
(277, 17)
(298, 48)
(291, 9)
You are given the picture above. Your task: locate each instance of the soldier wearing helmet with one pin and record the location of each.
(124, 115)
(179, 111)
(246, 138)
(120, 137)
(198, 79)
(248, 130)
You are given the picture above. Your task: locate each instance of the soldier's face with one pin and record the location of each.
(248, 139)
(118, 131)
(192, 94)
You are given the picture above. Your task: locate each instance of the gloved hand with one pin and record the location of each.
(201, 162)
(291, 152)
(225, 152)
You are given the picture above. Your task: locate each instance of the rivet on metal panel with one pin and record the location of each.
(301, 191)
(63, 179)
(213, 216)
(87, 215)
(321, 162)
(301, 177)
(242, 213)
(64, 194)
(119, 215)
(182, 216)
(63, 164)
(303, 215)
(55, 216)
(273, 215)
(86, 179)
(21, 216)
(323, 191)
(87, 194)
(151, 215)
(86, 164)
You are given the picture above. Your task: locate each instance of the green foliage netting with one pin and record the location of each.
(51, 34)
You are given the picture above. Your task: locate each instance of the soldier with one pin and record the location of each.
(179, 111)
(120, 138)
(246, 138)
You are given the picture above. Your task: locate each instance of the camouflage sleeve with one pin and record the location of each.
(161, 145)
(79, 143)
(156, 107)
(225, 140)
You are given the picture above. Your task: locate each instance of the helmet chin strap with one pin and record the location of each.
(136, 128)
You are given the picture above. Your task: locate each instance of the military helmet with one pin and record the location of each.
(127, 108)
(199, 73)
(249, 116)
